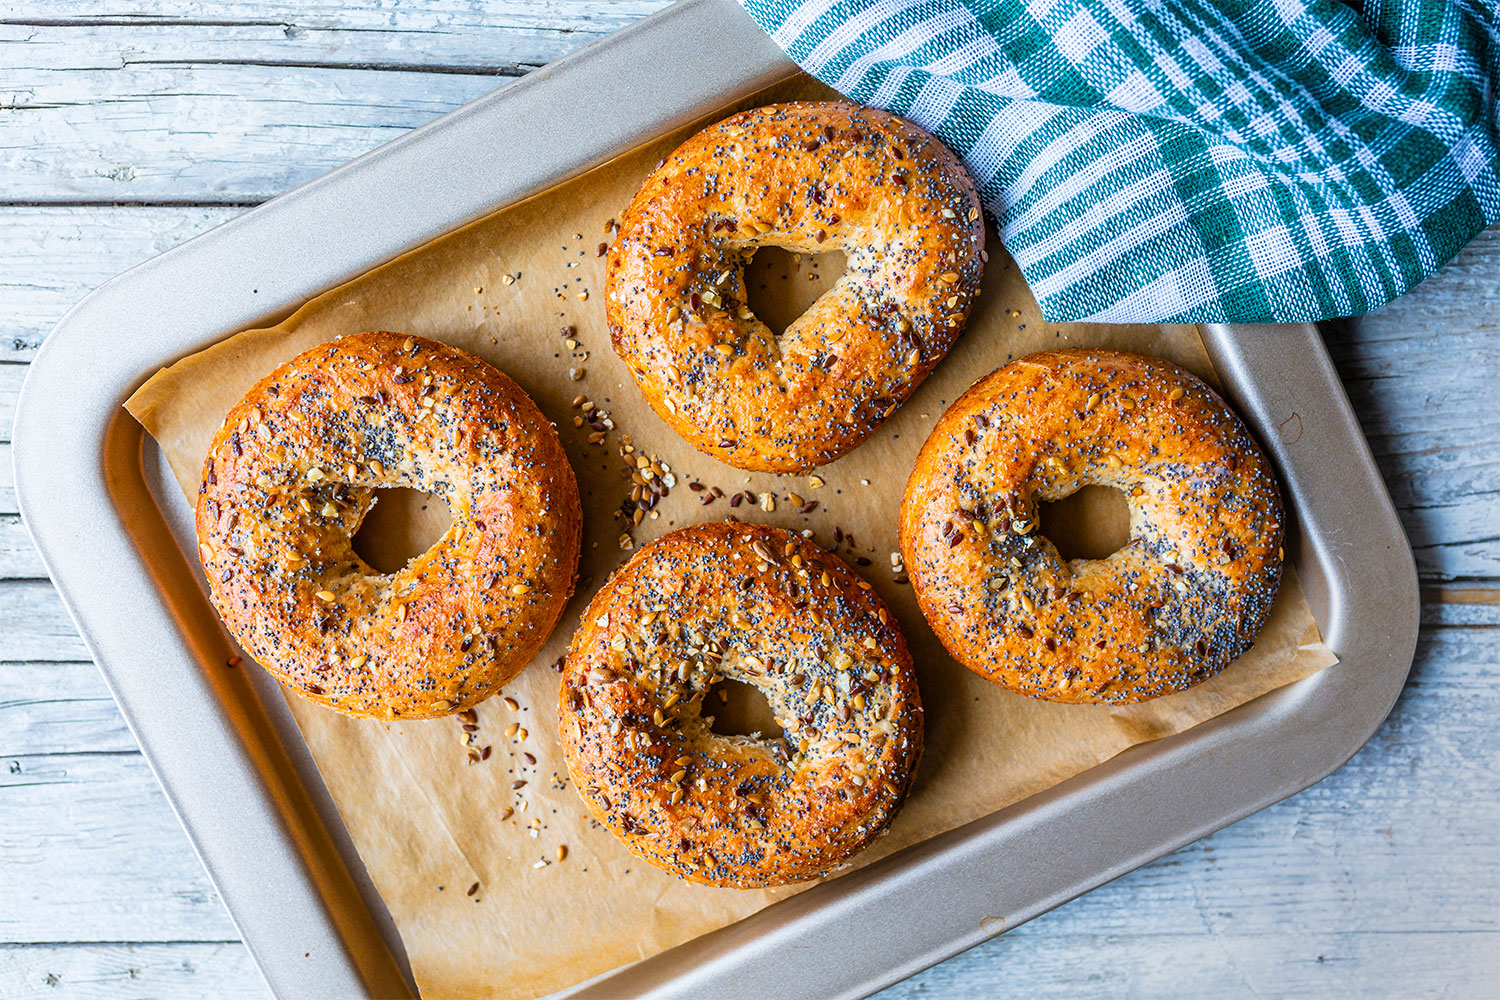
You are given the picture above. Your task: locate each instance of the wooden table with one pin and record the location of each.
(122, 135)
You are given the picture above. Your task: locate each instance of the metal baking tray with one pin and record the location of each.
(113, 531)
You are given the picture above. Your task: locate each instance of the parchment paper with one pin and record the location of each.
(428, 823)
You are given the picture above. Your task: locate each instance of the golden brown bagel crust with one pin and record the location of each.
(294, 470)
(810, 177)
(765, 607)
(1182, 599)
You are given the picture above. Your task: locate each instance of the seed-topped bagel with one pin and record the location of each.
(810, 177)
(764, 607)
(293, 472)
(1180, 601)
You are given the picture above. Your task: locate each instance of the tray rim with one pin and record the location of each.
(68, 494)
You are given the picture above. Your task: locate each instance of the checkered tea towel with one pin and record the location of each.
(1192, 160)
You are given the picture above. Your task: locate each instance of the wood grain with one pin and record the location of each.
(124, 134)
(163, 96)
(43, 273)
(1420, 375)
(36, 626)
(8, 503)
(58, 708)
(18, 560)
(178, 970)
(96, 813)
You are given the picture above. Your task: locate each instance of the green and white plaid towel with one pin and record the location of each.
(1192, 160)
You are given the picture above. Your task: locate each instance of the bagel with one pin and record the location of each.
(1182, 599)
(292, 473)
(765, 607)
(809, 177)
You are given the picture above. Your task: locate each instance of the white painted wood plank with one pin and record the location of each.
(11, 377)
(1420, 374)
(1048, 965)
(1057, 965)
(8, 503)
(1480, 614)
(18, 560)
(190, 134)
(33, 624)
(58, 708)
(507, 36)
(416, 33)
(51, 257)
(240, 101)
(170, 971)
(93, 853)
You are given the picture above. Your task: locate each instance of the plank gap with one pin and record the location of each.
(451, 69)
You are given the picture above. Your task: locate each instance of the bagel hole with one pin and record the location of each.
(1089, 524)
(781, 285)
(739, 709)
(400, 525)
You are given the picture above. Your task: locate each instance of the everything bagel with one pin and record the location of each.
(1180, 601)
(810, 177)
(765, 607)
(292, 473)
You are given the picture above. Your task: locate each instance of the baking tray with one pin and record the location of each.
(115, 535)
